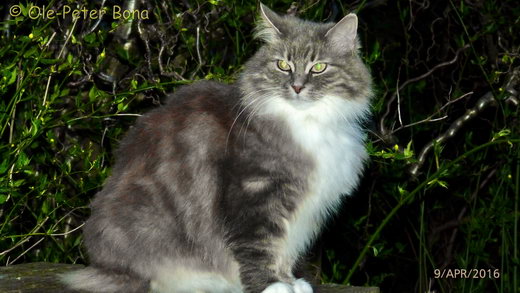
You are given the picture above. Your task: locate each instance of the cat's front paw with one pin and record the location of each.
(280, 287)
(301, 286)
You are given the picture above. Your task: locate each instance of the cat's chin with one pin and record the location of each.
(300, 101)
(302, 104)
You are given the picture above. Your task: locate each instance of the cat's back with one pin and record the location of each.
(166, 149)
(196, 118)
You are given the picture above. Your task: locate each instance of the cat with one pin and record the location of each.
(223, 188)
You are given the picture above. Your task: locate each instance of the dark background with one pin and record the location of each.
(441, 190)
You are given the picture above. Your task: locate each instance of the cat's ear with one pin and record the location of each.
(343, 35)
(268, 28)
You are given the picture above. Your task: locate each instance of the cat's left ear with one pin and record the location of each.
(343, 34)
(269, 26)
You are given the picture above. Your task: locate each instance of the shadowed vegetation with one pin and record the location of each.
(442, 190)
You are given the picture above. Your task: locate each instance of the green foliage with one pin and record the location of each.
(71, 88)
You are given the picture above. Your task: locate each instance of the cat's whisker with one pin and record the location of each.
(251, 114)
(236, 119)
(245, 98)
(261, 100)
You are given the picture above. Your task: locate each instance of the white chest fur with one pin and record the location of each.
(330, 133)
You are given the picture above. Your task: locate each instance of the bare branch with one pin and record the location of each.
(382, 128)
(482, 103)
(430, 118)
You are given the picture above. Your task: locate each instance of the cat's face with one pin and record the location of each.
(304, 62)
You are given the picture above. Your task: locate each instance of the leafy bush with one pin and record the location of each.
(441, 192)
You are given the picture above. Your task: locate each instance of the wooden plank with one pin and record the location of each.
(36, 277)
(41, 278)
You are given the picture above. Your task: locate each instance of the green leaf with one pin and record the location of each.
(408, 152)
(375, 251)
(4, 166)
(93, 94)
(45, 207)
(32, 51)
(122, 107)
(64, 92)
(502, 133)
(441, 183)
(90, 38)
(22, 160)
(12, 78)
(18, 183)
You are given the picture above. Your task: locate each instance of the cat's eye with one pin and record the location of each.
(283, 65)
(318, 67)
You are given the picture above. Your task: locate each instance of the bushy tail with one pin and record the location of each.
(92, 279)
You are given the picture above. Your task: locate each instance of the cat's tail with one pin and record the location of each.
(186, 280)
(92, 279)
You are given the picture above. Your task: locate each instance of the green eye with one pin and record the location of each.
(283, 65)
(319, 67)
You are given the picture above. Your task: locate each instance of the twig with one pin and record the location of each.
(68, 232)
(25, 251)
(197, 44)
(15, 246)
(102, 117)
(68, 38)
(59, 57)
(399, 109)
(144, 37)
(430, 118)
(27, 238)
(432, 31)
(382, 127)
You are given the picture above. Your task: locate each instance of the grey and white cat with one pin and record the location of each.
(224, 188)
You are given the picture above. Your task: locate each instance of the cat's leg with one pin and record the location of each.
(259, 255)
(257, 212)
(258, 266)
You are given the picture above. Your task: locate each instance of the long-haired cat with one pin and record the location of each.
(224, 188)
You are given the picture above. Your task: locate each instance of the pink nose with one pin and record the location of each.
(297, 88)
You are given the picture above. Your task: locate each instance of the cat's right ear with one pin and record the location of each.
(343, 35)
(268, 28)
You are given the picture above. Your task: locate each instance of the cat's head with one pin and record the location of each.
(304, 62)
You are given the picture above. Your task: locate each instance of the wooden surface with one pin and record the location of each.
(41, 278)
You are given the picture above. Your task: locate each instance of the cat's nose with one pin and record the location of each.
(297, 88)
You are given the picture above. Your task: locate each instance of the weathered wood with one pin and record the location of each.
(36, 277)
(41, 278)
